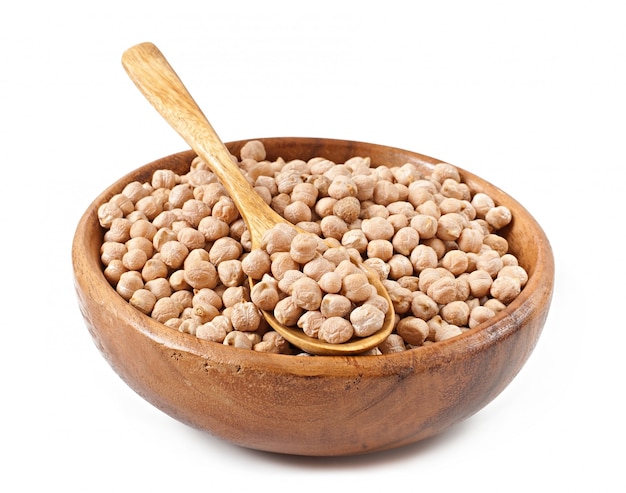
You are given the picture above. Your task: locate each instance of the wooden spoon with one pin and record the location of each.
(159, 83)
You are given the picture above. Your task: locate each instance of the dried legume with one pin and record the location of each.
(176, 248)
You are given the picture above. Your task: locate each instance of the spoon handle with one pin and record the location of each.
(158, 82)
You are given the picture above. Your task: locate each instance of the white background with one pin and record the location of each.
(529, 95)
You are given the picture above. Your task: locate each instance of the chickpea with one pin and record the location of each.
(160, 287)
(177, 280)
(482, 203)
(365, 186)
(450, 226)
(447, 331)
(420, 191)
(333, 227)
(399, 267)
(382, 249)
(306, 193)
(480, 283)
(401, 298)
(307, 293)
(136, 190)
(173, 254)
(385, 192)
(287, 312)
(225, 248)
(206, 296)
(489, 261)
(191, 238)
(505, 289)
(165, 309)
(443, 291)
(265, 295)
(128, 283)
(113, 271)
(335, 330)
(379, 266)
(398, 221)
(199, 254)
(324, 207)
(451, 188)
(405, 240)
(455, 261)
(310, 322)
(342, 186)
(203, 312)
(480, 314)
(379, 302)
(497, 243)
(330, 282)
(253, 149)
(150, 206)
(413, 330)
(304, 247)
(161, 237)
(456, 313)
(514, 271)
(119, 230)
(279, 202)
(225, 210)
(409, 282)
(256, 264)
(296, 212)
(356, 287)
(245, 317)
(347, 209)
(144, 300)
(238, 339)
(366, 320)
(230, 272)
(233, 295)
(211, 332)
(335, 305)
(134, 259)
(109, 212)
(201, 274)
(425, 225)
(377, 228)
(112, 250)
(393, 344)
(423, 306)
(278, 239)
(285, 284)
(470, 240)
(423, 257)
(355, 238)
(272, 342)
(164, 178)
(442, 171)
(317, 267)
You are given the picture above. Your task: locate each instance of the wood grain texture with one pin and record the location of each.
(318, 406)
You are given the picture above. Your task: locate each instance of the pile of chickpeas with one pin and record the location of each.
(315, 285)
(177, 249)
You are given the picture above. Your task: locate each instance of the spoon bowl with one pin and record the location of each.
(158, 82)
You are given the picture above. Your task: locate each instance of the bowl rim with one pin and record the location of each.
(539, 286)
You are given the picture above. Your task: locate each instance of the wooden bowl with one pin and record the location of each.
(317, 406)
